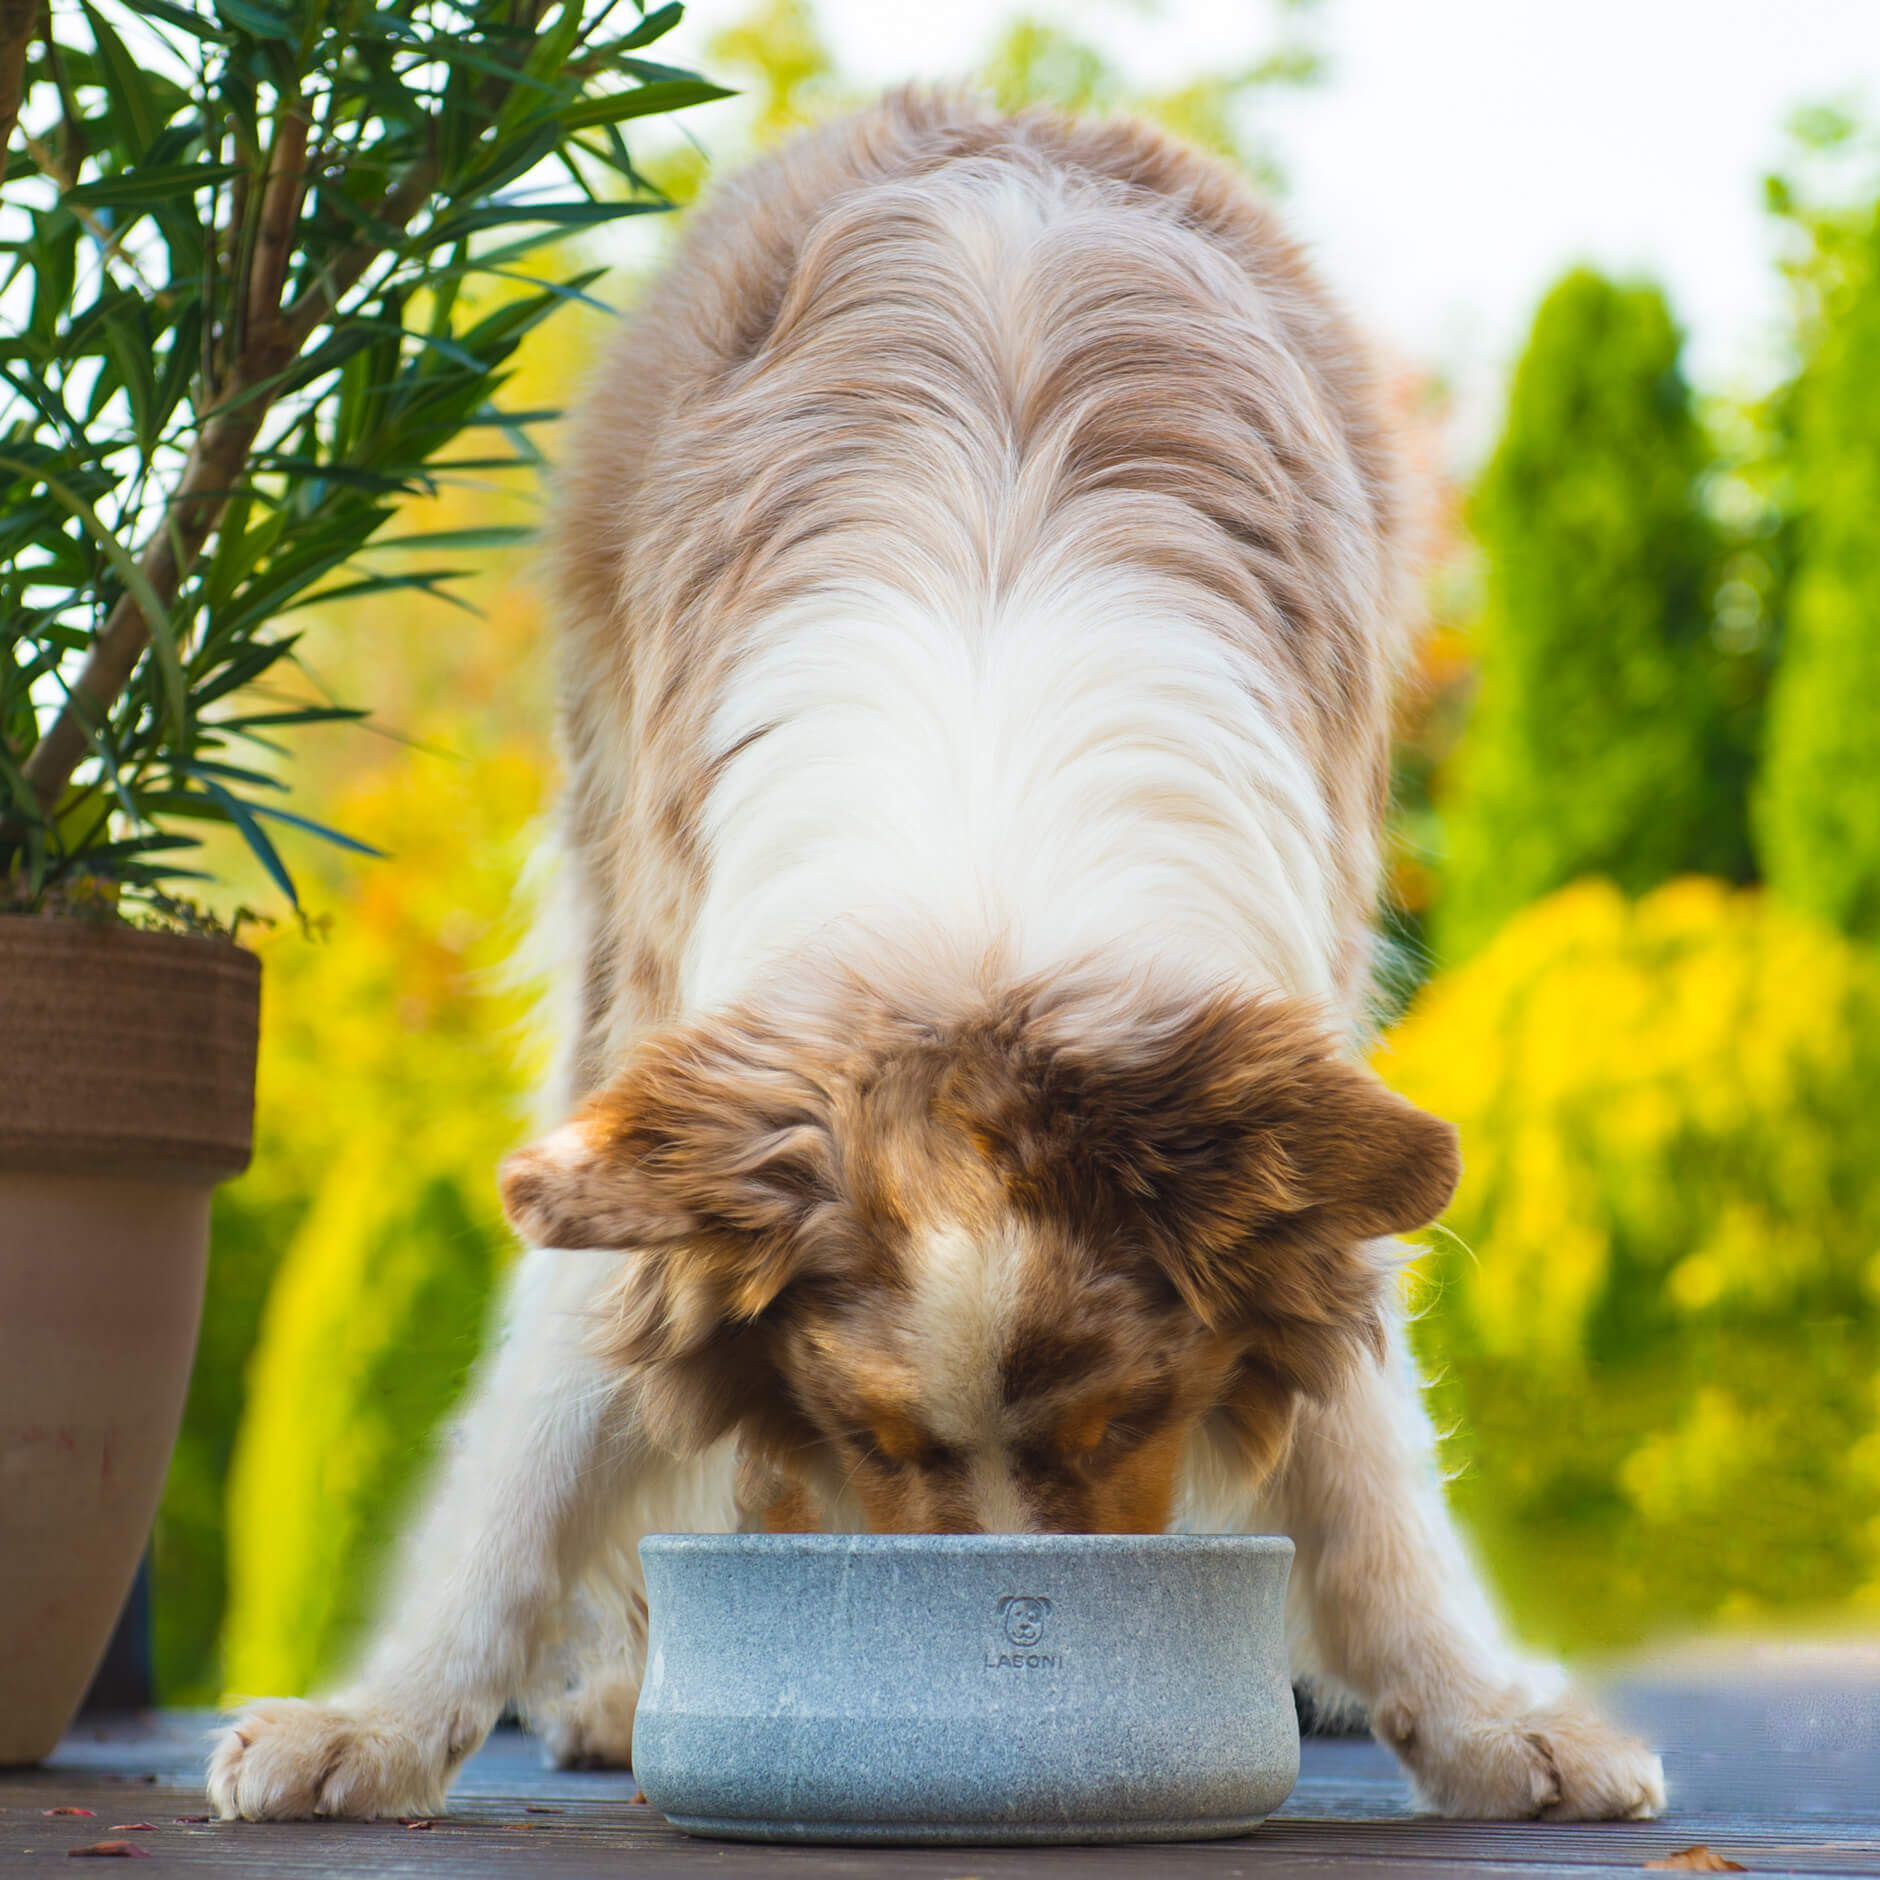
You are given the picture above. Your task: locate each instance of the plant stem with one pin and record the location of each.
(280, 212)
(17, 19)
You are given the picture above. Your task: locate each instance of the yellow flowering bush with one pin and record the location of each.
(357, 1257)
(1653, 1316)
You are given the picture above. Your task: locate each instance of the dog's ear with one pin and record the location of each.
(1271, 1168)
(710, 1165)
(1234, 1146)
(711, 1148)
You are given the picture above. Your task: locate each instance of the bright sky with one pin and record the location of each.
(1460, 153)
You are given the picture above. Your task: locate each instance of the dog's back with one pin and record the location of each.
(968, 489)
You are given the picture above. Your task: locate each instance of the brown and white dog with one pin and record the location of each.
(983, 572)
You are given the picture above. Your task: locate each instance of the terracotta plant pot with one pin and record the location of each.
(127, 1093)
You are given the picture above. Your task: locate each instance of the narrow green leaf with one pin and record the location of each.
(315, 469)
(190, 22)
(40, 396)
(307, 715)
(257, 839)
(206, 768)
(559, 214)
(430, 582)
(648, 68)
(516, 250)
(493, 535)
(239, 669)
(545, 70)
(130, 348)
(335, 836)
(263, 22)
(503, 327)
(512, 158)
(54, 250)
(238, 547)
(511, 420)
(125, 81)
(143, 187)
(666, 94)
(156, 615)
(101, 746)
(25, 799)
(515, 461)
(180, 363)
(566, 290)
(656, 25)
(129, 847)
(270, 592)
(460, 52)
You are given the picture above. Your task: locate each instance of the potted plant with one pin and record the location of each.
(234, 332)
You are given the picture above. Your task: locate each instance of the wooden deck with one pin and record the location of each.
(1774, 1763)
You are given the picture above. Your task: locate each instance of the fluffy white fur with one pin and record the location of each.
(1082, 772)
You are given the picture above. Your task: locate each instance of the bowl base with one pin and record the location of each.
(963, 1833)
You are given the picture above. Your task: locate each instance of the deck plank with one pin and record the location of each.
(1780, 1773)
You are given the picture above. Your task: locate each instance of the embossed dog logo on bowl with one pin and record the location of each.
(1024, 1617)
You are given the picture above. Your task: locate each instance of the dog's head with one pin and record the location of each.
(994, 1273)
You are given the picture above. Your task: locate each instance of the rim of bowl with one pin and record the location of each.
(1164, 1545)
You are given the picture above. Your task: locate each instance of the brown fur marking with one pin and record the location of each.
(1203, 1182)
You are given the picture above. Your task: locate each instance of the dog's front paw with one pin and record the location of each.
(592, 1727)
(286, 1760)
(1559, 1762)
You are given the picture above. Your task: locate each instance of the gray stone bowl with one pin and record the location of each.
(902, 1688)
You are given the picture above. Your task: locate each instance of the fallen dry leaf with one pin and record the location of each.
(417, 1824)
(68, 1811)
(133, 1827)
(113, 1850)
(1699, 1859)
(639, 1795)
(189, 1821)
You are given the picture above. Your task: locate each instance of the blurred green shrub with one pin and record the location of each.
(390, 1085)
(1608, 736)
(1818, 799)
(255, 1220)
(1655, 1326)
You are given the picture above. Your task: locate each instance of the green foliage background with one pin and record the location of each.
(1606, 737)
(1658, 1291)
(1818, 807)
